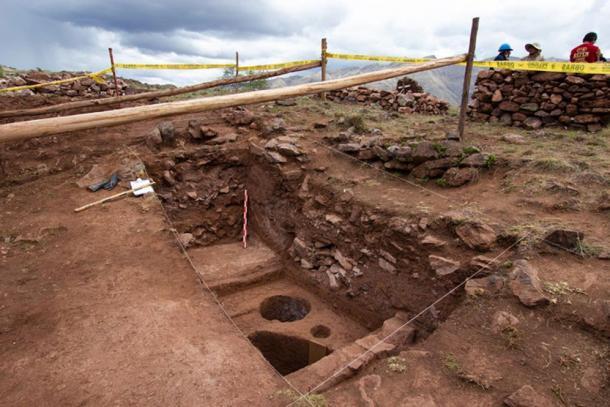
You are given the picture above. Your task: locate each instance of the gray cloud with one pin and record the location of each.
(223, 18)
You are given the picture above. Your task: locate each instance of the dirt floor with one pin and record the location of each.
(154, 301)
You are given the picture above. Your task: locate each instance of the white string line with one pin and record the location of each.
(407, 323)
(207, 287)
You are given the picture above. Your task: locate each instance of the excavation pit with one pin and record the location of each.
(284, 308)
(287, 353)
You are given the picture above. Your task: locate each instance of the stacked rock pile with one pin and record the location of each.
(83, 88)
(409, 97)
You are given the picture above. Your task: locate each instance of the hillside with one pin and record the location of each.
(444, 83)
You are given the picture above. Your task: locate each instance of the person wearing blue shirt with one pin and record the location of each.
(503, 52)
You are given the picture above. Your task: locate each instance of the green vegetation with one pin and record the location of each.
(357, 122)
(451, 363)
(1, 72)
(257, 84)
(311, 400)
(471, 150)
(397, 364)
(440, 149)
(512, 337)
(441, 182)
(490, 160)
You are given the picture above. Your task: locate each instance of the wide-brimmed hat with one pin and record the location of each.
(534, 45)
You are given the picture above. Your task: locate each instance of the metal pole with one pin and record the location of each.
(467, 75)
(323, 60)
(116, 83)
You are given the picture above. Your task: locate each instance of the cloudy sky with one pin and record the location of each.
(75, 34)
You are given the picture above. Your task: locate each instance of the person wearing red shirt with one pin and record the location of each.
(587, 51)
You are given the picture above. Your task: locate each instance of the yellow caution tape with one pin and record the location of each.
(544, 66)
(96, 76)
(173, 66)
(376, 58)
(276, 66)
(567, 67)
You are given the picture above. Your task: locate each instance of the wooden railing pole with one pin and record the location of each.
(467, 76)
(116, 83)
(323, 61)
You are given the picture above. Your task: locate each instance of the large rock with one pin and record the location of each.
(456, 177)
(526, 396)
(532, 123)
(526, 285)
(503, 320)
(168, 132)
(475, 235)
(514, 139)
(443, 266)
(482, 286)
(433, 168)
(424, 151)
(288, 149)
(565, 239)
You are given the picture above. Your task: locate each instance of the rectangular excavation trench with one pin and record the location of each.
(279, 290)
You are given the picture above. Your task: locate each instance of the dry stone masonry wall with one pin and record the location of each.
(83, 88)
(408, 97)
(532, 99)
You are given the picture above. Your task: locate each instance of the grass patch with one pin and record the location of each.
(291, 396)
(561, 288)
(397, 364)
(440, 149)
(357, 122)
(442, 182)
(471, 150)
(512, 337)
(490, 160)
(451, 363)
(553, 164)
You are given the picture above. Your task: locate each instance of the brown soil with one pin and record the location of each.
(103, 307)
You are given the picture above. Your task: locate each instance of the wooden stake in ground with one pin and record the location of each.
(323, 61)
(116, 83)
(57, 125)
(467, 75)
(236, 63)
(156, 94)
(111, 197)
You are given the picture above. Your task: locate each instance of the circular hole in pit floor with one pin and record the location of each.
(320, 331)
(284, 308)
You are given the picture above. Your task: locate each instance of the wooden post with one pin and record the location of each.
(236, 63)
(116, 83)
(467, 75)
(323, 61)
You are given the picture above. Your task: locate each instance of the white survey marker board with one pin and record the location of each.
(141, 183)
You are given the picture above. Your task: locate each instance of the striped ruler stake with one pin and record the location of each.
(245, 229)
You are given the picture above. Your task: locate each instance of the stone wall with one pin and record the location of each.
(397, 100)
(533, 99)
(83, 88)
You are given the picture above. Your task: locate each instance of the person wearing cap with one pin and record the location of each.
(503, 52)
(587, 51)
(534, 52)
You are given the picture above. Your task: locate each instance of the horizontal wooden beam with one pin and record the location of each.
(56, 125)
(155, 94)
